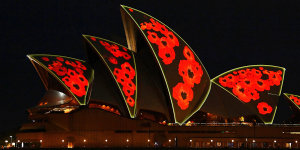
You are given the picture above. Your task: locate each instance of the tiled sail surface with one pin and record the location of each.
(121, 63)
(256, 86)
(295, 99)
(73, 74)
(186, 79)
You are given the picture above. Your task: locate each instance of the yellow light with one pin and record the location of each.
(253, 141)
(127, 140)
(211, 140)
(170, 140)
(105, 140)
(232, 141)
(191, 140)
(84, 140)
(275, 141)
(148, 140)
(41, 141)
(62, 140)
(296, 141)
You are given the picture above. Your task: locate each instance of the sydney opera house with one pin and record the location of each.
(156, 93)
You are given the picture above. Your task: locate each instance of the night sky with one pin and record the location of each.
(224, 34)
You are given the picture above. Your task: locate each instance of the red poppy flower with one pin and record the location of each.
(130, 101)
(128, 91)
(130, 84)
(188, 54)
(60, 59)
(125, 55)
(295, 99)
(80, 65)
(130, 10)
(264, 108)
(113, 60)
(93, 38)
(128, 71)
(247, 83)
(156, 26)
(79, 70)
(261, 68)
(75, 87)
(172, 39)
(190, 71)
(122, 80)
(45, 58)
(60, 71)
(252, 94)
(72, 73)
(167, 55)
(242, 74)
(105, 44)
(82, 80)
(117, 72)
(116, 52)
(261, 85)
(228, 81)
(153, 38)
(240, 92)
(70, 63)
(146, 26)
(183, 94)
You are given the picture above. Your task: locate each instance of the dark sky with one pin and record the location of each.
(224, 34)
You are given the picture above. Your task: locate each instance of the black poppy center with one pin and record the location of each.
(259, 83)
(127, 76)
(81, 78)
(154, 36)
(171, 36)
(224, 80)
(242, 90)
(72, 73)
(128, 91)
(247, 82)
(183, 95)
(168, 55)
(265, 109)
(190, 73)
(230, 77)
(122, 80)
(164, 43)
(76, 86)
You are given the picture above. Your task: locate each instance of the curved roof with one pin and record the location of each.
(187, 82)
(295, 99)
(73, 75)
(121, 64)
(256, 86)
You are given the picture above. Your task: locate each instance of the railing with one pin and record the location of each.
(234, 124)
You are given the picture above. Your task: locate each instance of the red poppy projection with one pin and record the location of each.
(121, 63)
(72, 72)
(187, 81)
(253, 84)
(295, 99)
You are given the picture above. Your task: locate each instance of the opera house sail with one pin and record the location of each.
(156, 92)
